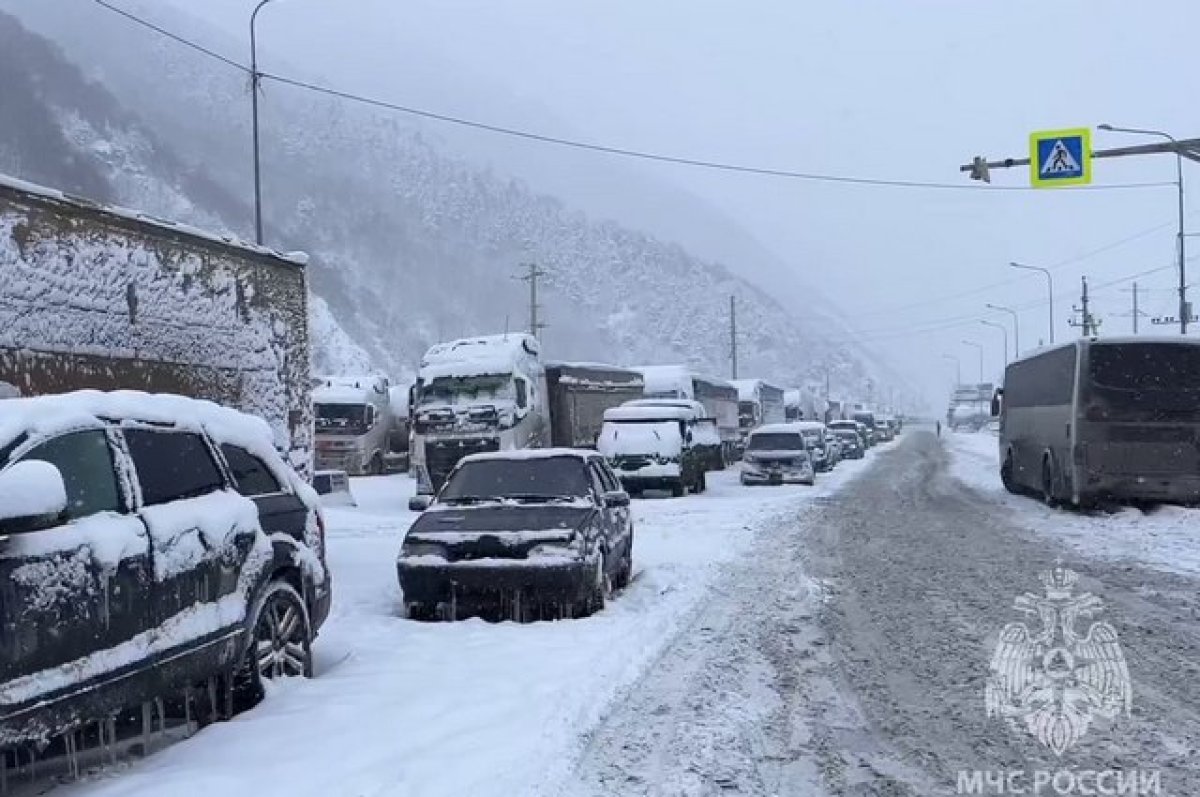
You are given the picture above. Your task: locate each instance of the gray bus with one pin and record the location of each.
(1112, 419)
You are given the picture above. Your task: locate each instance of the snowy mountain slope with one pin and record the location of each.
(409, 244)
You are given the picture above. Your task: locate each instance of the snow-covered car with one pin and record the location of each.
(149, 545)
(851, 442)
(536, 533)
(653, 448)
(820, 447)
(777, 453)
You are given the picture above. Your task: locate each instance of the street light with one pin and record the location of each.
(978, 346)
(1003, 329)
(255, 78)
(1016, 325)
(1183, 305)
(1049, 287)
(957, 368)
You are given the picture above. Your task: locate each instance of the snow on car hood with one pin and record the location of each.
(640, 439)
(517, 522)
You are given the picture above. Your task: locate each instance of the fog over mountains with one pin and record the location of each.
(417, 233)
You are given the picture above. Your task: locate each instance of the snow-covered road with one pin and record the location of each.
(406, 708)
(1162, 537)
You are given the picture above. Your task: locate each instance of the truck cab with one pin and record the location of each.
(353, 419)
(478, 394)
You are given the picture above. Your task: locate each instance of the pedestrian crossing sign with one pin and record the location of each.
(1060, 158)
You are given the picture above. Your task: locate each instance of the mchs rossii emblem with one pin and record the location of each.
(1051, 680)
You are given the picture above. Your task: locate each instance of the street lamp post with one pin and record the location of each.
(978, 346)
(1183, 304)
(255, 78)
(1049, 288)
(1016, 325)
(1004, 330)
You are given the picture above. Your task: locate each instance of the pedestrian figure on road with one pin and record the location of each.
(939, 428)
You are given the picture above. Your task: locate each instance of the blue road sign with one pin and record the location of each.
(1060, 158)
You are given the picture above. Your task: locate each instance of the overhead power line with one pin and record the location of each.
(607, 149)
(145, 23)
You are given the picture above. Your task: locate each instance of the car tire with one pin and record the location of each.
(626, 572)
(1006, 474)
(376, 466)
(600, 588)
(679, 489)
(278, 642)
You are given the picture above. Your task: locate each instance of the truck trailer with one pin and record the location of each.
(96, 296)
(719, 397)
(579, 393)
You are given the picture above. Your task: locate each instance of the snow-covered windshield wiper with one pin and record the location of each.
(466, 499)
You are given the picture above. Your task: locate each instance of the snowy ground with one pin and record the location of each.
(1163, 538)
(405, 708)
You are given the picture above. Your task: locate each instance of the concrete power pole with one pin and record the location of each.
(1136, 312)
(531, 276)
(733, 343)
(1089, 325)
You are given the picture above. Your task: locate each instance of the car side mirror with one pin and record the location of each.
(32, 496)
(616, 498)
(996, 402)
(419, 503)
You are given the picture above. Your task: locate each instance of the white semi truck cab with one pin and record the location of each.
(353, 419)
(478, 394)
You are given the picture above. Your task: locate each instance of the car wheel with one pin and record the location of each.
(278, 645)
(1006, 474)
(679, 489)
(376, 466)
(626, 572)
(600, 589)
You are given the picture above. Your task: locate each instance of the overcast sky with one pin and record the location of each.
(903, 90)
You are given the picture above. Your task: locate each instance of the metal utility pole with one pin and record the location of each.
(255, 79)
(1136, 313)
(733, 343)
(978, 346)
(531, 276)
(1016, 326)
(1003, 329)
(1090, 325)
(1049, 290)
(1185, 310)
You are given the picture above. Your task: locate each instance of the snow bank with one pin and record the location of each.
(1163, 538)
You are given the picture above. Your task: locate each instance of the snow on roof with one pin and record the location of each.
(45, 415)
(596, 373)
(687, 404)
(810, 425)
(529, 453)
(793, 397)
(348, 389)
(54, 195)
(648, 413)
(794, 427)
(665, 378)
(478, 356)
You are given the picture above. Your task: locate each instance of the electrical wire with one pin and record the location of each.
(625, 152)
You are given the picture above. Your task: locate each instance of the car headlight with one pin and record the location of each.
(422, 549)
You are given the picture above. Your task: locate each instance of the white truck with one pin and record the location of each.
(485, 393)
(353, 423)
(759, 402)
(719, 397)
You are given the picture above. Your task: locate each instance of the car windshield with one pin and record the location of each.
(532, 479)
(468, 389)
(776, 441)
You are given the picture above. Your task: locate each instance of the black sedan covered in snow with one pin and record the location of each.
(531, 534)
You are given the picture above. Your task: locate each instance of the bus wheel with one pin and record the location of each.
(1048, 482)
(1006, 474)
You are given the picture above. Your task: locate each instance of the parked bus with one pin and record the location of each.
(1103, 419)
